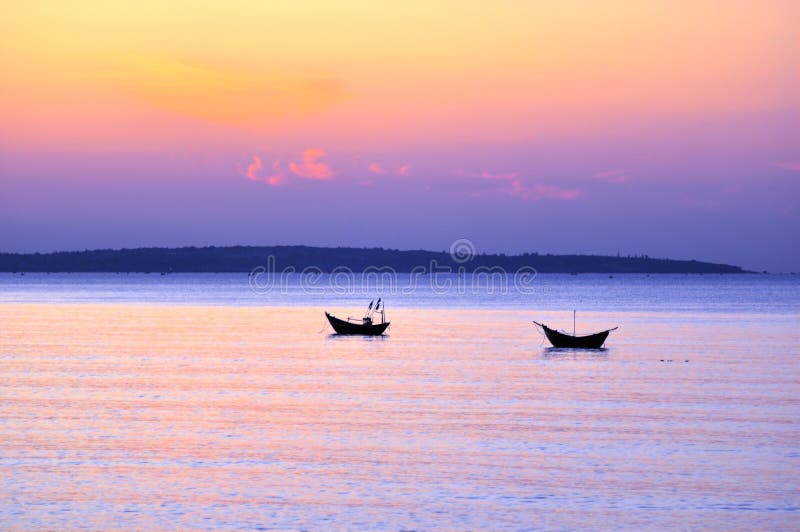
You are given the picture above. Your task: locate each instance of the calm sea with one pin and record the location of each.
(187, 401)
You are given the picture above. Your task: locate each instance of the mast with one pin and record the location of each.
(573, 322)
(378, 304)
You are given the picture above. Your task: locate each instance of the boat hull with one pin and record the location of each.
(347, 327)
(591, 341)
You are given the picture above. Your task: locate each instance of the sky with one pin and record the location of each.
(668, 128)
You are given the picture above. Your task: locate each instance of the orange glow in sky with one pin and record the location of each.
(391, 72)
(665, 127)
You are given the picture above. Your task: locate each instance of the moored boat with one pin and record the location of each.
(363, 326)
(561, 339)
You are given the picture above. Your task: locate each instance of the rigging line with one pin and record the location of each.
(541, 334)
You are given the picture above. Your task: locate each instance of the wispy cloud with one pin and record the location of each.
(616, 177)
(379, 169)
(376, 168)
(277, 176)
(517, 188)
(514, 185)
(792, 166)
(486, 174)
(540, 191)
(503, 177)
(253, 168)
(257, 164)
(311, 168)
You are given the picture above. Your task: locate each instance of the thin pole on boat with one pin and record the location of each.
(378, 304)
(573, 322)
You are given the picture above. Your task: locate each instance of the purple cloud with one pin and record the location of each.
(792, 166)
(541, 191)
(616, 177)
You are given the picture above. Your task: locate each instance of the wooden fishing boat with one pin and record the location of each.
(560, 339)
(364, 326)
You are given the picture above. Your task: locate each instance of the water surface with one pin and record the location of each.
(155, 404)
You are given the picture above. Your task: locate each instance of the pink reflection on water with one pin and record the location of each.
(137, 416)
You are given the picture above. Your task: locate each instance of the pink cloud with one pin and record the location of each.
(540, 191)
(792, 166)
(275, 178)
(277, 174)
(518, 189)
(616, 177)
(485, 174)
(504, 177)
(310, 168)
(376, 168)
(253, 168)
(403, 170)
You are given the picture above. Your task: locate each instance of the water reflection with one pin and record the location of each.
(358, 337)
(576, 353)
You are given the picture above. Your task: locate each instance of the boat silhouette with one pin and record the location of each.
(561, 339)
(363, 326)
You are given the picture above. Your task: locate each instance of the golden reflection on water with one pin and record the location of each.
(136, 416)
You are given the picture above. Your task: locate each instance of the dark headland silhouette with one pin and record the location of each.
(246, 258)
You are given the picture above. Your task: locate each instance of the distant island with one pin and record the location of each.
(246, 258)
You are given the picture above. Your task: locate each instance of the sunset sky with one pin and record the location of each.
(670, 128)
